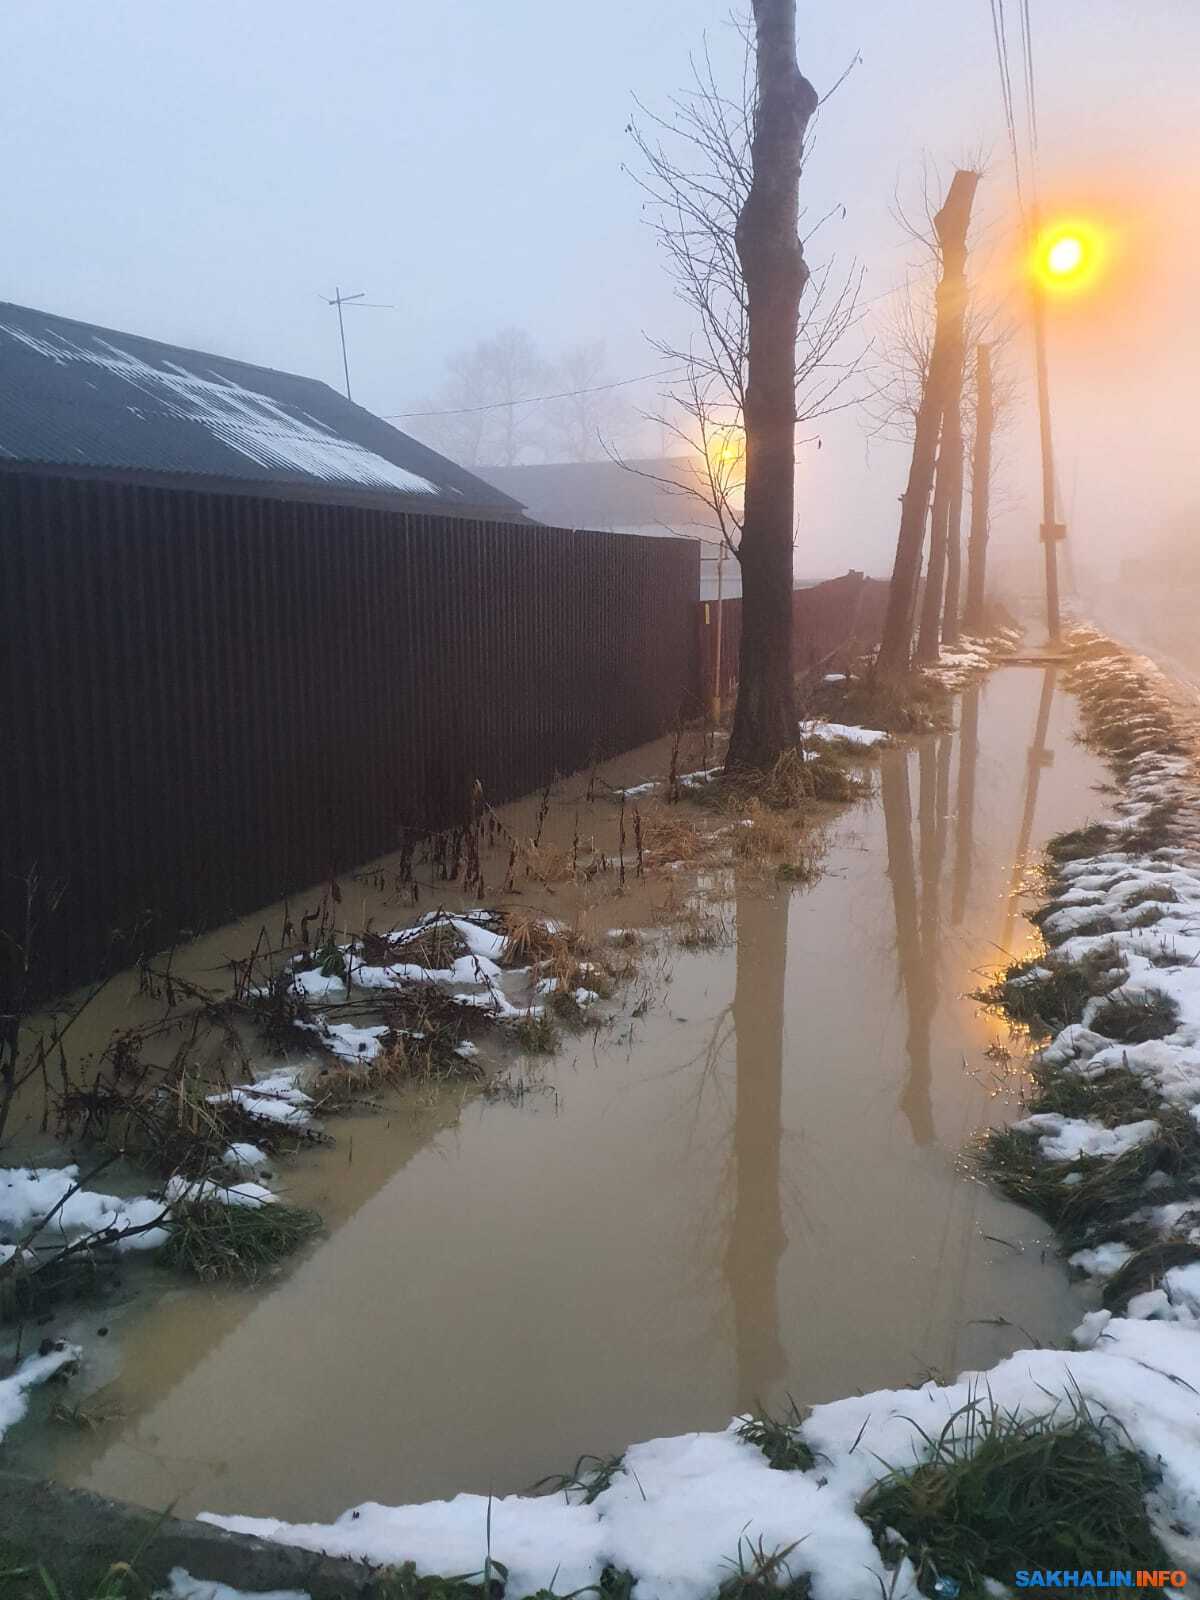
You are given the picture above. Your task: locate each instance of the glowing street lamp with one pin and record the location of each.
(1064, 259)
(724, 452)
(1065, 256)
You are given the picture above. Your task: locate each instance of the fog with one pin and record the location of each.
(203, 173)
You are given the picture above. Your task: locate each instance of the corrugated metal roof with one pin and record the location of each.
(660, 494)
(80, 396)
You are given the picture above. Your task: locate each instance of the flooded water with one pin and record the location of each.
(755, 1189)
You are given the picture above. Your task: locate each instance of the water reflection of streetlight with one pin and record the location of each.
(1039, 756)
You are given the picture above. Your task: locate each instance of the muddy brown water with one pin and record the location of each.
(756, 1189)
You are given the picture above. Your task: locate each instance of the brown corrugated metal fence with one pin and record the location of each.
(831, 622)
(213, 700)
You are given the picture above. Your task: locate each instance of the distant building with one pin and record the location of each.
(660, 495)
(87, 402)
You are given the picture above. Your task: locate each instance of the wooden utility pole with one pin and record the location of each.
(950, 226)
(775, 274)
(981, 477)
(1051, 531)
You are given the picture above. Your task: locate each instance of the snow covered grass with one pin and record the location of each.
(779, 1438)
(969, 657)
(1046, 994)
(843, 736)
(1110, 1152)
(361, 1011)
(57, 1228)
(1003, 1490)
(1086, 1458)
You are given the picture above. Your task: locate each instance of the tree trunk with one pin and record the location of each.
(950, 224)
(775, 274)
(950, 611)
(949, 469)
(935, 576)
(981, 478)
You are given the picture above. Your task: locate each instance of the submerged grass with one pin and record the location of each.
(998, 1492)
(697, 926)
(537, 1034)
(214, 1240)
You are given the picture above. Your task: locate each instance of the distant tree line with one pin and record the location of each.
(490, 409)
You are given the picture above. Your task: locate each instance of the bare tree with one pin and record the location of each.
(902, 344)
(585, 415)
(483, 415)
(722, 175)
(981, 473)
(941, 388)
(952, 445)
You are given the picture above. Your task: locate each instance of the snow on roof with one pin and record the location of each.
(245, 420)
(77, 395)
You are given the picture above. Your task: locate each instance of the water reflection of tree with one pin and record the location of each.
(737, 1238)
(756, 1239)
(916, 923)
(964, 837)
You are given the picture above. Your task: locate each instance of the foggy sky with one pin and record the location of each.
(201, 172)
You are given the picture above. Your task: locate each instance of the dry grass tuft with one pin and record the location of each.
(798, 778)
(763, 834)
(669, 836)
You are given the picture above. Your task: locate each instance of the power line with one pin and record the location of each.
(570, 394)
(1000, 37)
(1031, 116)
(531, 400)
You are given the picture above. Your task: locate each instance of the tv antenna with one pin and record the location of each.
(339, 300)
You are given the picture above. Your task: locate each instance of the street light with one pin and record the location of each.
(1065, 258)
(724, 452)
